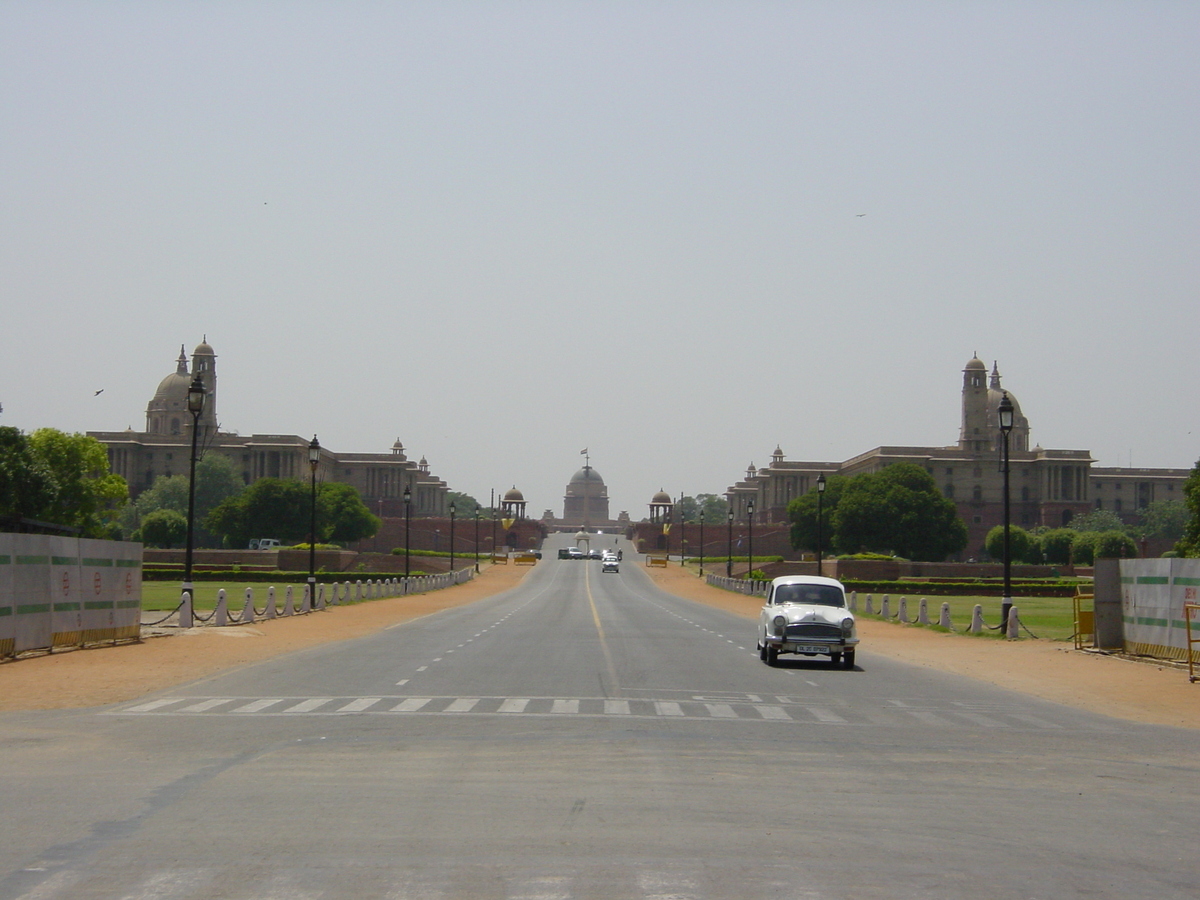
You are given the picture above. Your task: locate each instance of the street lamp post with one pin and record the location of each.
(749, 536)
(820, 495)
(195, 405)
(407, 527)
(701, 541)
(682, 522)
(451, 537)
(729, 544)
(478, 516)
(314, 459)
(1005, 413)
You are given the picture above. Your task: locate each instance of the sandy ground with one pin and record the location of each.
(1111, 685)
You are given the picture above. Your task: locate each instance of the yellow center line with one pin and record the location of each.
(612, 671)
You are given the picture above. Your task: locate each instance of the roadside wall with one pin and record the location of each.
(63, 592)
(1153, 592)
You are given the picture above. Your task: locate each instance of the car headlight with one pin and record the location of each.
(780, 625)
(847, 627)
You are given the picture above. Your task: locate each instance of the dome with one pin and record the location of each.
(204, 348)
(175, 386)
(587, 473)
(975, 363)
(514, 496)
(661, 498)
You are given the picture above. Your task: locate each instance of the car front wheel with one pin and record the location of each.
(835, 658)
(848, 659)
(772, 656)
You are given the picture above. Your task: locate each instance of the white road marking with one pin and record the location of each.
(206, 705)
(410, 705)
(772, 712)
(513, 706)
(462, 705)
(721, 711)
(308, 705)
(616, 707)
(360, 704)
(824, 715)
(258, 705)
(667, 708)
(565, 706)
(155, 704)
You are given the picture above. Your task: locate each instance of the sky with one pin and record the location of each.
(677, 234)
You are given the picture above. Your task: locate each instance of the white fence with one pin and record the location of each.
(332, 594)
(1153, 592)
(67, 592)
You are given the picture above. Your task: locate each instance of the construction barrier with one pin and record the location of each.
(67, 592)
(500, 559)
(524, 559)
(660, 561)
(1085, 619)
(1154, 596)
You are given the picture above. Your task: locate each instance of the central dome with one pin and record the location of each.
(588, 474)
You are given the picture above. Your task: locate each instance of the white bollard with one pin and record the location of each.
(923, 612)
(854, 601)
(1014, 624)
(248, 607)
(221, 613)
(185, 609)
(903, 612)
(288, 609)
(885, 608)
(944, 619)
(271, 612)
(977, 620)
(869, 610)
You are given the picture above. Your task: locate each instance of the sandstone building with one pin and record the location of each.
(164, 448)
(1046, 487)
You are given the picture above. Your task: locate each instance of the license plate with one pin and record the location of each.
(812, 648)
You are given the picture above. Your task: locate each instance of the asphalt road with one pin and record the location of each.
(587, 736)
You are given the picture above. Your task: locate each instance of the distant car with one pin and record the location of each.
(609, 554)
(574, 553)
(610, 565)
(564, 552)
(593, 554)
(807, 615)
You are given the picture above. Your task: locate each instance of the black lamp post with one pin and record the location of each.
(1005, 413)
(682, 522)
(729, 544)
(701, 541)
(314, 459)
(820, 495)
(407, 524)
(451, 537)
(195, 405)
(478, 516)
(750, 536)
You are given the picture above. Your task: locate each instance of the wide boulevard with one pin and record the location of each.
(589, 736)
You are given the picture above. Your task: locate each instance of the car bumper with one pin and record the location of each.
(813, 647)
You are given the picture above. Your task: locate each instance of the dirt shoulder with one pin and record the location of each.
(1111, 685)
(96, 677)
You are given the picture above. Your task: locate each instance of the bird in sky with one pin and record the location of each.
(859, 215)
(98, 393)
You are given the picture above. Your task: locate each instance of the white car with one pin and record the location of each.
(807, 615)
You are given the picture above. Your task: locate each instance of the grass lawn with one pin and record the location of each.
(164, 595)
(1046, 617)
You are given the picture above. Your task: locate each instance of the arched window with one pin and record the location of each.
(977, 493)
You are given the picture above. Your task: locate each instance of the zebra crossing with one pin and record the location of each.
(745, 708)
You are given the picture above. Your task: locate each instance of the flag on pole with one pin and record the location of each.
(583, 452)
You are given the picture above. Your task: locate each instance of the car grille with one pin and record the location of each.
(813, 630)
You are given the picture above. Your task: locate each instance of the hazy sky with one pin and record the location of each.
(675, 233)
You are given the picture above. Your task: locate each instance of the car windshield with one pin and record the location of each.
(811, 594)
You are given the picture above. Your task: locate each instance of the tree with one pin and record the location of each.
(1113, 545)
(1189, 544)
(1098, 520)
(164, 528)
(802, 513)
(465, 506)
(1020, 543)
(27, 487)
(281, 508)
(1164, 519)
(86, 494)
(713, 508)
(898, 510)
(1057, 544)
(216, 480)
(342, 516)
